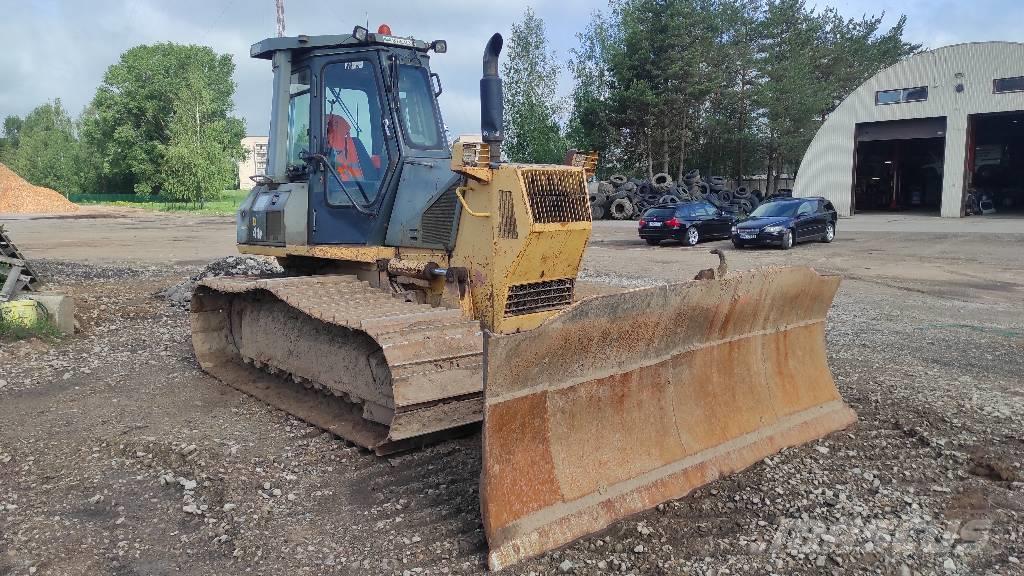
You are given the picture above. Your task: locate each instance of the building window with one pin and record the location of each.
(1000, 85)
(260, 156)
(901, 95)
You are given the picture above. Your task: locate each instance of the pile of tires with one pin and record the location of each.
(623, 198)
(741, 200)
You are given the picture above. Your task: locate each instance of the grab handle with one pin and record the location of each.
(462, 200)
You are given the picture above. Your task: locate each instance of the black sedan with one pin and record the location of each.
(686, 222)
(785, 222)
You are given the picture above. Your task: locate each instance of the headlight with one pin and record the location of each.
(733, 229)
(774, 229)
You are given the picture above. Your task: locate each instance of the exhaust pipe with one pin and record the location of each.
(492, 107)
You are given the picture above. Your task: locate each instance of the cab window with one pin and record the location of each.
(298, 116)
(416, 101)
(353, 131)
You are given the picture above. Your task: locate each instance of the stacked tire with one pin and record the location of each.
(623, 198)
(615, 198)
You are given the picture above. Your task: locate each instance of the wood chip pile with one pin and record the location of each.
(18, 196)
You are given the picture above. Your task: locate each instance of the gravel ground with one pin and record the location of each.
(118, 455)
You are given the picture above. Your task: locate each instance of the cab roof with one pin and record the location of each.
(265, 48)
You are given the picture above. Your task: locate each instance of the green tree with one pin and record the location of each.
(634, 62)
(127, 127)
(530, 71)
(733, 87)
(588, 126)
(662, 77)
(809, 62)
(854, 50)
(12, 127)
(9, 143)
(48, 152)
(738, 45)
(200, 159)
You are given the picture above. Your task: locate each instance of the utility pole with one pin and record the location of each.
(280, 17)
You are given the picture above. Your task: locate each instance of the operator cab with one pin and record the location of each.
(355, 118)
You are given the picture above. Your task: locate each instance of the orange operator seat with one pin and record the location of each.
(350, 156)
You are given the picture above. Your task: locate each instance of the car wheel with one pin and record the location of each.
(787, 240)
(692, 236)
(653, 241)
(738, 244)
(830, 233)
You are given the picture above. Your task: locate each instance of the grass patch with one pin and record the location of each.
(224, 205)
(12, 330)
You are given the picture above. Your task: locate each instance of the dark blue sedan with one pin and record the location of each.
(785, 222)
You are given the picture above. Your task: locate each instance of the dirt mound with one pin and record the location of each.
(21, 197)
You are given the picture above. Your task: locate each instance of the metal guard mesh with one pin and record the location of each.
(556, 195)
(539, 296)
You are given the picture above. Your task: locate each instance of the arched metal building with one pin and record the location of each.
(920, 134)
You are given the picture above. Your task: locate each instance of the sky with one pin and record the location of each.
(61, 48)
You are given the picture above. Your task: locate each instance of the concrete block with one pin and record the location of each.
(60, 309)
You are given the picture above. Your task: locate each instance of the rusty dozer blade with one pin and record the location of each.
(627, 400)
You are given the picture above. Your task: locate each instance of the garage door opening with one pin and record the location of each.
(996, 161)
(899, 165)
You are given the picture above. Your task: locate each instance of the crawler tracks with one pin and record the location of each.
(383, 373)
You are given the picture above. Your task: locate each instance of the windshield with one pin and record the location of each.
(298, 116)
(419, 120)
(353, 128)
(775, 210)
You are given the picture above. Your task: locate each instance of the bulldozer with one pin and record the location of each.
(430, 287)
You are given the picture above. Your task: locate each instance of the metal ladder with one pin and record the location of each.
(15, 268)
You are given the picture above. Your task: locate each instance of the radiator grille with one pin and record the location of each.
(556, 195)
(275, 227)
(439, 220)
(507, 214)
(539, 296)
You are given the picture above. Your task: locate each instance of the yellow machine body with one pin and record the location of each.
(521, 237)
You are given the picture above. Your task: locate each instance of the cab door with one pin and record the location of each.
(352, 128)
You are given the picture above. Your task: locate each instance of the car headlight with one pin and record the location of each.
(774, 229)
(733, 229)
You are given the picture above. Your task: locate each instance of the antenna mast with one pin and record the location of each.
(280, 17)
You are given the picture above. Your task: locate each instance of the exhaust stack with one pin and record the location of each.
(492, 108)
